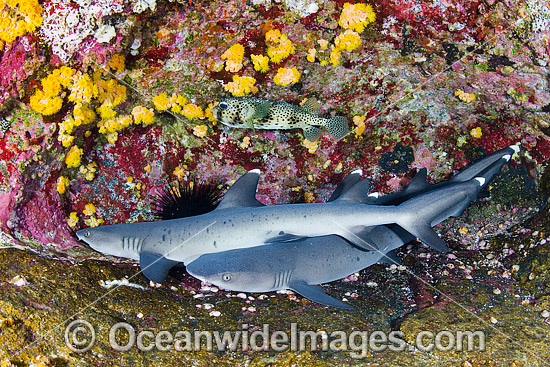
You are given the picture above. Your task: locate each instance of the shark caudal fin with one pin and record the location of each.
(337, 127)
(487, 166)
(420, 213)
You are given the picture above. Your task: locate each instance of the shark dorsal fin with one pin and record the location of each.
(315, 293)
(356, 193)
(419, 181)
(243, 192)
(311, 105)
(346, 184)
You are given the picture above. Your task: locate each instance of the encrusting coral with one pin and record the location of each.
(356, 16)
(241, 85)
(234, 58)
(18, 17)
(279, 46)
(260, 62)
(286, 76)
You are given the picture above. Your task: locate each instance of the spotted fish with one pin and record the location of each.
(258, 113)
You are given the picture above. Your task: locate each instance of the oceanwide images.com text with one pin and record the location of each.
(80, 336)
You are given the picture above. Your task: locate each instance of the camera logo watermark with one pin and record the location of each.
(80, 336)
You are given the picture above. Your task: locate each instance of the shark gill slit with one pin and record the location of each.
(288, 276)
(282, 279)
(132, 243)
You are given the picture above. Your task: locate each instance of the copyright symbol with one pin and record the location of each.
(79, 336)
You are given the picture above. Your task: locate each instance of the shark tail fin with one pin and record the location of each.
(422, 212)
(337, 127)
(487, 166)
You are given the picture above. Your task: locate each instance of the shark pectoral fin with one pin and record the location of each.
(346, 184)
(312, 133)
(155, 267)
(242, 193)
(311, 105)
(315, 293)
(391, 258)
(261, 110)
(283, 238)
(426, 234)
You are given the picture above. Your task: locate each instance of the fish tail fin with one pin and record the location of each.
(337, 127)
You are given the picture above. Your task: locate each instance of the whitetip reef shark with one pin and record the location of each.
(240, 221)
(298, 266)
(302, 265)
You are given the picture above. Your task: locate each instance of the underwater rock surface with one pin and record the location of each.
(103, 104)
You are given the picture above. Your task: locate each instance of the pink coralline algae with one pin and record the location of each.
(19, 60)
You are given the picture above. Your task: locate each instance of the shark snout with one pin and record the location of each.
(83, 234)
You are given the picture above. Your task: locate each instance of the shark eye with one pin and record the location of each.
(87, 233)
(226, 277)
(222, 105)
